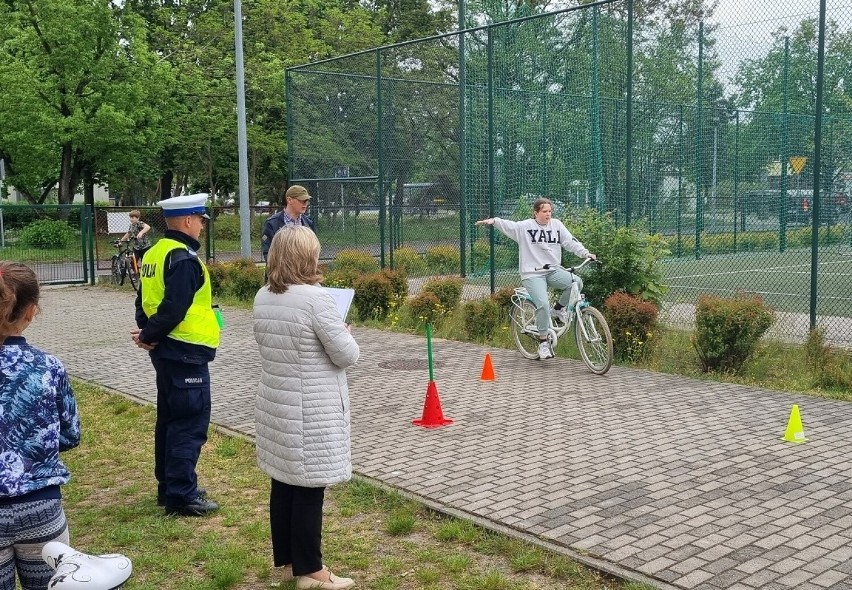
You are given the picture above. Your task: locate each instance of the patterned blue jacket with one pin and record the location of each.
(38, 419)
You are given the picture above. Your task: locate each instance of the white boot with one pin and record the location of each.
(79, 571)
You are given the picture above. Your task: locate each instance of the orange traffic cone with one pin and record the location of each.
(487, 369)
(433, 416)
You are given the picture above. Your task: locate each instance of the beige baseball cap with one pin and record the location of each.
(297, 191)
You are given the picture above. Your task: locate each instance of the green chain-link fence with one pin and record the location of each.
(710, 141)
(54, 240)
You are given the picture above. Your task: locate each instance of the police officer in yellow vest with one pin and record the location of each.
(178, 326)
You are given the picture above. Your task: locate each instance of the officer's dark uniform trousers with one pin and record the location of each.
(183, 415)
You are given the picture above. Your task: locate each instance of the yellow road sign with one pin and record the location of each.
(798, 163)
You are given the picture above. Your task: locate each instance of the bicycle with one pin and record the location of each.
(125, 265)
(592, 334)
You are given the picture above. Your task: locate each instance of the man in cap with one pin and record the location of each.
(178, 326)
(296, 201)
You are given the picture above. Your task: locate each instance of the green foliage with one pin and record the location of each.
(46, 234)
(93, 59)
(400, 522)
(505, 254)
(408, 260)
(355, 260)
(481, 318)
(227, 227)
(18, 216)
(633, 323)
(343, 278)
(479, 255)
(218, 277)
(828, 368)
(447, 290)
(630, 258)
(242, 263)
(425, 308)
(443, 259)
(241, 278)
(727, 330)
(503, 298)
(244, 281)
(373, 295)
(399, 283)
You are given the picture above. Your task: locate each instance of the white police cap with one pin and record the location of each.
(185, 205)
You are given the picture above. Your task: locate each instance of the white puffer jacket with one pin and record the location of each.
(302, 403)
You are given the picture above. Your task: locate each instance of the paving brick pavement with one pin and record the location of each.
(683, 482)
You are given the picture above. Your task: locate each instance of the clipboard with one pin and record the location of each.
(343, 299)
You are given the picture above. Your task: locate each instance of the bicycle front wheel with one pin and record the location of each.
(524, 330)
(132, 274)
(594, 340)
(115, 274)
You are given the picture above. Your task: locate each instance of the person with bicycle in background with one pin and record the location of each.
(541, 240)
(140, 232)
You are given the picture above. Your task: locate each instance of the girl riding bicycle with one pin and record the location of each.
(541, 240)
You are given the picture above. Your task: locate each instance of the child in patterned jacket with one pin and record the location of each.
(38, 419)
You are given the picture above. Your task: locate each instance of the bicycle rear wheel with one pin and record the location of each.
(115, 274)
(524, 330)
(596, 344)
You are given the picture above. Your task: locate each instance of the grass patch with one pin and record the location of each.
(382, 539)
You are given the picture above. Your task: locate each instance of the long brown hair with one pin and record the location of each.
(18, 291)
(293, 259)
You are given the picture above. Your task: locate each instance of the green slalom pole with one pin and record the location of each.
(433, 415)
(429, 350)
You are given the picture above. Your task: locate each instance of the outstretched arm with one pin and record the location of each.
(489, 221)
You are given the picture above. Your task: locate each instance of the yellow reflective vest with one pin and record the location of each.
(199, 326)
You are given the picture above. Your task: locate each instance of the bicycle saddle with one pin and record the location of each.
(79, 571)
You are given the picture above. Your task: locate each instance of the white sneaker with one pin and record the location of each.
(545, 351)
(561, 315)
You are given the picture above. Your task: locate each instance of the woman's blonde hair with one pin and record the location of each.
(135, 213)
(293, 259)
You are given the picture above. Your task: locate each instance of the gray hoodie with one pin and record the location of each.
(539, 244)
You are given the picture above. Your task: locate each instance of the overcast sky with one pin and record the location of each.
(745, 28)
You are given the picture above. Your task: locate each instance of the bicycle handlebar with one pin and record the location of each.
(571, 269)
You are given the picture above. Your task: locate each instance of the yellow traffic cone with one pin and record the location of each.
(795, 432)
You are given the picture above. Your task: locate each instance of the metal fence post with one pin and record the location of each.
(817, 157)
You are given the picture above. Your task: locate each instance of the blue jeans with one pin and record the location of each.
(537, 286)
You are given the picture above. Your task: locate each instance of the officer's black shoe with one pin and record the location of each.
(198, 507)
(161, 500)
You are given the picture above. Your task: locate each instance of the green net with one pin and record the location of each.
(406, 146)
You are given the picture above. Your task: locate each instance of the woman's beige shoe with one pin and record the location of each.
(333, 583)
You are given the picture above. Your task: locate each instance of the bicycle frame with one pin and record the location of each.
(128, 263)
(577, 299)
(591, 331)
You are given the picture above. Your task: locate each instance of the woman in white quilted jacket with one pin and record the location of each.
(302, 404)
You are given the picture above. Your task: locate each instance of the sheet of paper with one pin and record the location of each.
(343, 298)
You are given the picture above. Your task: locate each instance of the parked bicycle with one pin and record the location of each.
(124, 264)
(591, 331)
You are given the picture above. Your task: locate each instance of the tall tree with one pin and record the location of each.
(80, 85)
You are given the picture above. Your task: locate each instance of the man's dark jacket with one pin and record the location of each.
(273, 224)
